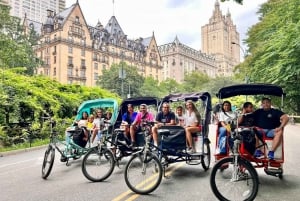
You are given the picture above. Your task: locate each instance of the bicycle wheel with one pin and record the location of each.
(48, 161)
(205, 157)
(143, 176)
(234, 182)
(98, 165)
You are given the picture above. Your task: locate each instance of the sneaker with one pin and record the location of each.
(63, 158)
(258, 154)
(190, 150)
(271, 155)
(133, 144)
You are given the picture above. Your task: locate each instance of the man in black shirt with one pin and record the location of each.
(272, 121)
(164, 117)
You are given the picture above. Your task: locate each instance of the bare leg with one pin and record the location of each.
(154, 135)
(132, 133)
(277, 139)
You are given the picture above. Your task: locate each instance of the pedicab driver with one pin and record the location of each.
(272, 121)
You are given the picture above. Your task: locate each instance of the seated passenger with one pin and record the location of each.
(226, 116)
(136, 125)
(90, 121)
(272, 121)
(164, 117)
(82, 136)
(192, 124)
(250, 140)
(247, 119)
(98, 123)
(179, 117)
(127, 118)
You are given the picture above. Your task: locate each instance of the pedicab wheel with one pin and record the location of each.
(98, 165)
(206, 157)
(236, 182)
(143, 175)
(48, 161)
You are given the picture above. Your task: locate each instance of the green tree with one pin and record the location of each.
(195, 81)
(274, 46)
(15, 47)
(111, 80)
(151, 88)
(169, 86)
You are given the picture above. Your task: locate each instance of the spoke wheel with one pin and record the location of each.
(143, 176)
(234, 182)
(206, 156)
(48, 161)
(98, 165)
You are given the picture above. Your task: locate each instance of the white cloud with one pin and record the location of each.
(167, 18)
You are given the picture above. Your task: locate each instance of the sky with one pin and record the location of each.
(168, 18)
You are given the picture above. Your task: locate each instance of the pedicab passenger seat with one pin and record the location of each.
(172, 138)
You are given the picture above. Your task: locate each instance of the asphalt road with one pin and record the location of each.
(20, 179)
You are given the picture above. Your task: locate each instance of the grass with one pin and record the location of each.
(25, 145)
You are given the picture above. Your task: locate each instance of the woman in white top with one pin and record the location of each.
(98, 123)
(225, 117)
(192, 123)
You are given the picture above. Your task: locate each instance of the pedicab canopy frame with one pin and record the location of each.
(195, 96)
(148, 100)
(251, 89)
(90, 105)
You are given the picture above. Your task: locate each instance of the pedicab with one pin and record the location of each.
(234, 176)
(72, 147)
(145, 169)
(98, 164)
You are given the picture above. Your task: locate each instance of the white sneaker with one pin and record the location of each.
(190, 150)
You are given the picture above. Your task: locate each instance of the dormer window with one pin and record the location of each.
(77, 20)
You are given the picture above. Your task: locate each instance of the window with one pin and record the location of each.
(96, 76)
(82, 63)
(70, 60)
(103, 67)
(70, 49)
(77, 19)
(82, 52)
(96, 66)
(70, 71)
(54, 71)
(54, 59)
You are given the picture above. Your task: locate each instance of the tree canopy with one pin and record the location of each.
(274, 48)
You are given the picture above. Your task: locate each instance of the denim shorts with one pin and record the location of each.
(268, 132)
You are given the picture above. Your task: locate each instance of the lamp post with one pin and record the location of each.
(122, 74)
(244, 55)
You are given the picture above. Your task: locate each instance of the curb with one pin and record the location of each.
(13, 152)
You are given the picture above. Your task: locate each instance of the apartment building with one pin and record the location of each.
(35, 10)
(221, 40)
(74, 52)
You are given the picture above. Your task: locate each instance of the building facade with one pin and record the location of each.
(76, 53)
(221, 40)
(35, 10)
(179, 59)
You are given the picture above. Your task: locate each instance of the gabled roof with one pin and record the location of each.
(63, 15)
(113, 27)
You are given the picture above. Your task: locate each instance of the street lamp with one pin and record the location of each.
(122, 74)
(243, 50)
(244, 55)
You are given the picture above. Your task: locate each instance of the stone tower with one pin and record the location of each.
(221, 39)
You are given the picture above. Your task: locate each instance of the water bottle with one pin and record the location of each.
(99, 135)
